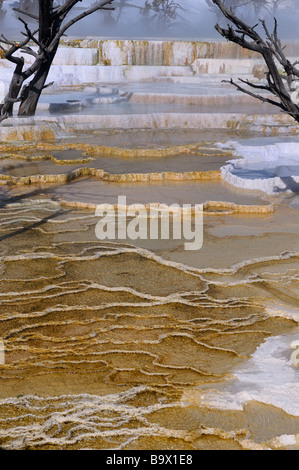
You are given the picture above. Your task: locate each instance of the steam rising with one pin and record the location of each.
(187, 19)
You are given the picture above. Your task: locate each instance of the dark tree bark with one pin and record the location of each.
(17, 80)
(52, 25)
(280, 85)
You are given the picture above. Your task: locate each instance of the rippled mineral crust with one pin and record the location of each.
(141, 344)
(120, 337)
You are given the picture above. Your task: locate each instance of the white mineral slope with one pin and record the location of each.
(269, 377)
(51, 127)
(273, 169)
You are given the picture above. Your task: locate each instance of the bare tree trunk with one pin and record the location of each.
(45, 20)
(6, 109)
(14, 90)
(31, 93)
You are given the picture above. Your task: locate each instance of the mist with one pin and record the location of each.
(188, 20)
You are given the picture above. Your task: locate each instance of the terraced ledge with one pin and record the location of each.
(209, 207)
(93, 151)
(199, 100)
(105, 176)
(52, 128)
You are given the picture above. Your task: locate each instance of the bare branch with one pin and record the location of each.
(48, 85)
(68, 25)
(26, 13)
(272, 52)
(29, 51)
(29, 34)
(253, 85)
(254, 95)
(4, 116)
(65, 9)
(6, 41)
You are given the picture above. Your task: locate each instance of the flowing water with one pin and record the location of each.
(140, 344)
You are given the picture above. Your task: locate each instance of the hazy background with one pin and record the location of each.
(187, 19)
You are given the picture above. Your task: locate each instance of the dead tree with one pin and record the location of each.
(161, 12)
(155, 13)
(240, 6)
(52, 24)
(282, 75)
(257, 7)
